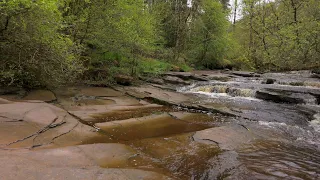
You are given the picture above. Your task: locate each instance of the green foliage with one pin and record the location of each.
(208, 44)
(122, 28)
(32, 51)
(185, 68)
(49, 42)
(153, 66)
(281, 35)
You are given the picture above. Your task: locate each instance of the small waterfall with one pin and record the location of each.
(212, 89)
(224, 89)
(241, 92)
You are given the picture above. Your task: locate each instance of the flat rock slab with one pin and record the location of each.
(77, 162)
(245, 74)
(100, 92)
(292, 98)
(37, 112)
(227, 137)
(28, 124)
(42, 95)
(186, 76)
(110, 155)
(79, 98)
(154, 80)
(37, 172)
(159, 95)
(123, 101)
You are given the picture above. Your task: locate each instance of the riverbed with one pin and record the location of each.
(198, 125)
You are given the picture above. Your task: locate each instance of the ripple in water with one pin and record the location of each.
(296, 133)
(276, 160)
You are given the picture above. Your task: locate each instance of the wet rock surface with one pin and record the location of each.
(198, 125)
(226, 137)
(41, 95)
(76, 162)
(280, 98)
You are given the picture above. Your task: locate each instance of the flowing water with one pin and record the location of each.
(285, 142)
(253, 137)
(276, 160)
(295, 151)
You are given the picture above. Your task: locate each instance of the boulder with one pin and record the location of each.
(124, 80)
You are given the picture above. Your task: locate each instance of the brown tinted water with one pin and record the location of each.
(156, 125)
(164, 144)
(127, 113)
(278, 160)
(178, 155)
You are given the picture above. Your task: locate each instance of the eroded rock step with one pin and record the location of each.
(177, 144)
(155, 125)
(36, 135)
(35, 118)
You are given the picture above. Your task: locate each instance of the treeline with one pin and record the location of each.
(49, 42)
(280, 34)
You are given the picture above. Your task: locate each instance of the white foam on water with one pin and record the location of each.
(214, 95)
(300, 133)
(225, 95)
(221, 91)
(271, 124)
(315, 123)
(186, 88)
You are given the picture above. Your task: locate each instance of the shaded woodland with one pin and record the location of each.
(53, 42)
